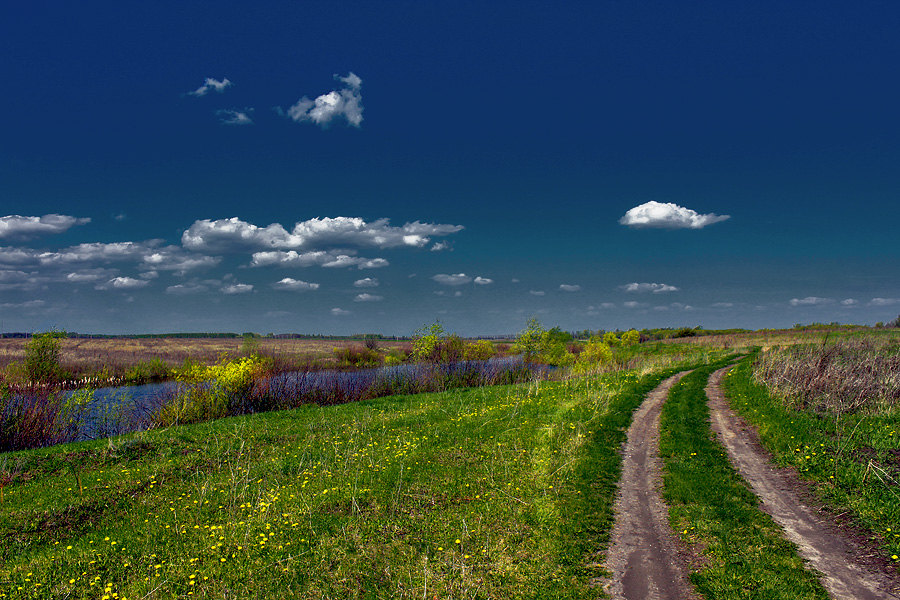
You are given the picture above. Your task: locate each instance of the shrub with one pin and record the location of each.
(631, 338)
(357, 356)
(480, 350)
(42, 354)
(431, 343)
(610, 339)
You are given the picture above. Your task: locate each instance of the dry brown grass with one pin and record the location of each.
(87, 356)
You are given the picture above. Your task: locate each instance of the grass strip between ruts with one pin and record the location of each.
(742, 553)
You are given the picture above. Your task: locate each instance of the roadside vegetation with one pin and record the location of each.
(831, 412)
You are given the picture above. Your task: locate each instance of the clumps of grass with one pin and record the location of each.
(852, 460)
(850, 375)
(713, 509)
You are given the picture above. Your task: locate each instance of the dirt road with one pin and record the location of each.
(642, 556)
(823, 547)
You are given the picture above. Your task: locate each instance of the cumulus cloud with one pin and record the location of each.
(441, 246)
(294, 285)
(656, 288)
(173, 258)
(321, 258)
(570, 288)
(458, 279)
(483, 281)
(237, 288)
(340, 312)
(367, 282)
(232, 116)
(667, 215)
(810, 301)
(211, 84)
(90, 275)
(17, 227)
(123, 283)
(344, 103)
(368, 298)
(234, 235)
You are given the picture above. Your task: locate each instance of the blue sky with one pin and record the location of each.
(343, 167)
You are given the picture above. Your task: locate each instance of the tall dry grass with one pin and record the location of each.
(849, 375)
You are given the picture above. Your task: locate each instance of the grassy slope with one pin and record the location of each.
(499, 492)
(712, 508)
(833, 453)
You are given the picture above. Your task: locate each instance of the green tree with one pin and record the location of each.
(631, 337)
(530, 341)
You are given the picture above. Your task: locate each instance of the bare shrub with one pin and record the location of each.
(847, 376)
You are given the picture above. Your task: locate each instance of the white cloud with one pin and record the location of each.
(173, 258)
(186, 289)
(27, 304)
(234, 235)
(455, 294)
(723, 305)
(570, 288)
(458, 279)
(603, 305)
(321, 258)
(810, 301)
(849, 302)
(367, 282)
(340, 312)
(536, 292)
(368, 298)
(483, 281)
(656, 288)
(211, 84)
(90, 275)
(632, 304)
(440, 246)
(123, 283)
(294, 285)
(346, 103)
(884, 301)
(18, 227)
(231, 116)
(666, 215)
(237, 288)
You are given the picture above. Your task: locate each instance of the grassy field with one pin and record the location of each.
(491, 492)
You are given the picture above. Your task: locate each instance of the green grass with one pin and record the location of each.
(848, 458)
(502, 492)
(744, 553)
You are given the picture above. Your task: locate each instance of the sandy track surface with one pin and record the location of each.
(821, 545)
(643, 558)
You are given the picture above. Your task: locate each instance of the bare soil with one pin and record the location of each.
(840, 554)
(644, 558)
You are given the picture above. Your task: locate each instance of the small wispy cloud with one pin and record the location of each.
(656, 288)
(483, 281)
(458, 279)
(884, 301)
(366, 282)
(441, 246)
(810, 301)
(667, 215)
(211, 84)
(536, 292)
(123, 283)
(344, 103)
(294, 285)
(230, 116)
(237, 288)
(340, 312)
(850, 302)
(368, 298)
(570, 288)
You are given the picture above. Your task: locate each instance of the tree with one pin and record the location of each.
(894, 323)
(631, 337)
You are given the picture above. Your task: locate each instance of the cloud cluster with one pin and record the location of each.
(666, 215)
(656, 288)
(345, 103)
(17, 227)
(211, 84)
(235, 235)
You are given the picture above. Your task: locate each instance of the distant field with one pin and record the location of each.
(119, 354)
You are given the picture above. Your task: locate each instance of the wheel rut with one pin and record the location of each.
(643, 555)
(824, 548)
